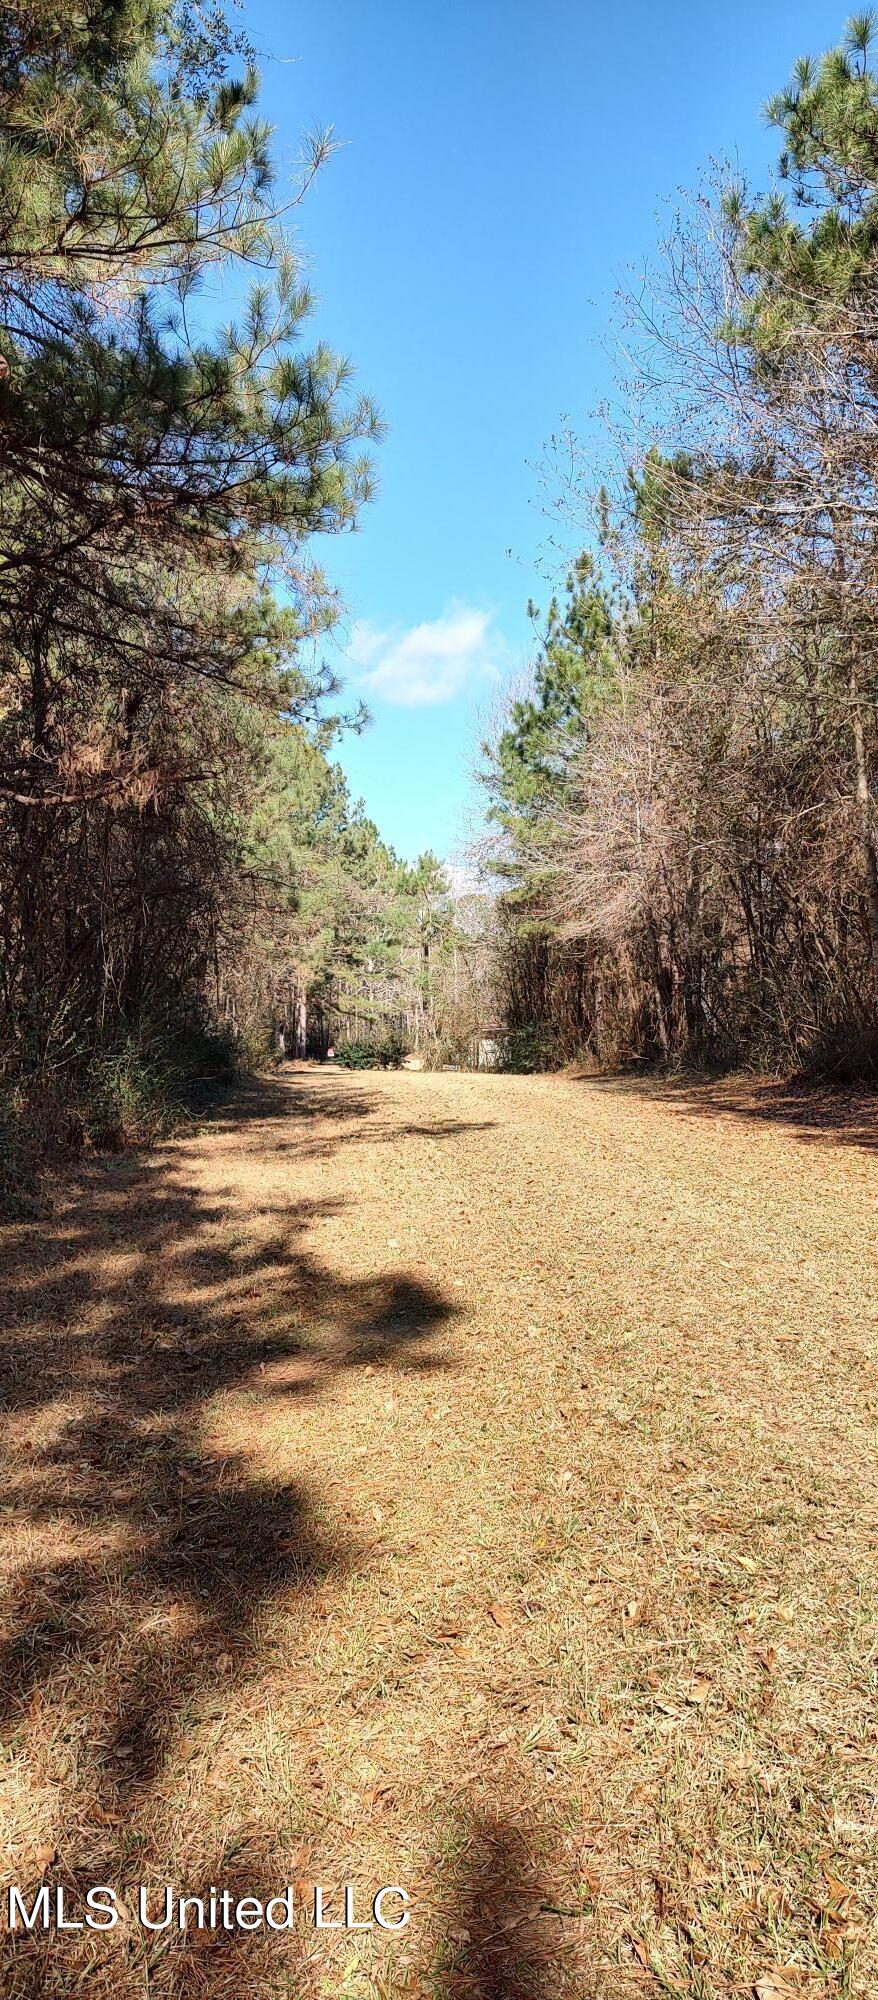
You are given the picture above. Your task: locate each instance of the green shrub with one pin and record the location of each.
(127, 1093)
(257, 1048)
(383, 1052)
(137, 1088)
(355, 1055)
(525, 1051)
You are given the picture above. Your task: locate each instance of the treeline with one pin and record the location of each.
(684, 799)
(179, 858)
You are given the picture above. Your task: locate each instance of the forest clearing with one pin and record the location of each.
(462, 1482)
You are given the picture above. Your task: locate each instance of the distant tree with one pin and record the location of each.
(525, 771)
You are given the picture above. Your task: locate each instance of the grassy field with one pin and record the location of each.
(461, 1482)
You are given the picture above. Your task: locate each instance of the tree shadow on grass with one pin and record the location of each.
(301, 1097)
(148, 1565)
(305, 1093)
(842, 1116)
(516, 1916)
(502, 1936)
(356, 1109)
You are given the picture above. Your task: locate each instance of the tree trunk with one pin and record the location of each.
(659, 983)
(867, 822)
(300, 1023)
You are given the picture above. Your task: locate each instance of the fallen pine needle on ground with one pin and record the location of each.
(463, 1482)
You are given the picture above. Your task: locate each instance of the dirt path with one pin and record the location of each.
(462, 1482)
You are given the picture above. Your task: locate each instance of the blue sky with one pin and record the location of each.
(502, 169)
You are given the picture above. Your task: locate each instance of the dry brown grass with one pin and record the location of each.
(461, 1481)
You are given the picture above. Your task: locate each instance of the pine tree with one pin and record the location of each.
(159, 485)
(526, 772)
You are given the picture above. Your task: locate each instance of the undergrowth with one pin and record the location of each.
(136, 1088)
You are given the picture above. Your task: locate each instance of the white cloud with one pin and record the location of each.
(427, 663)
